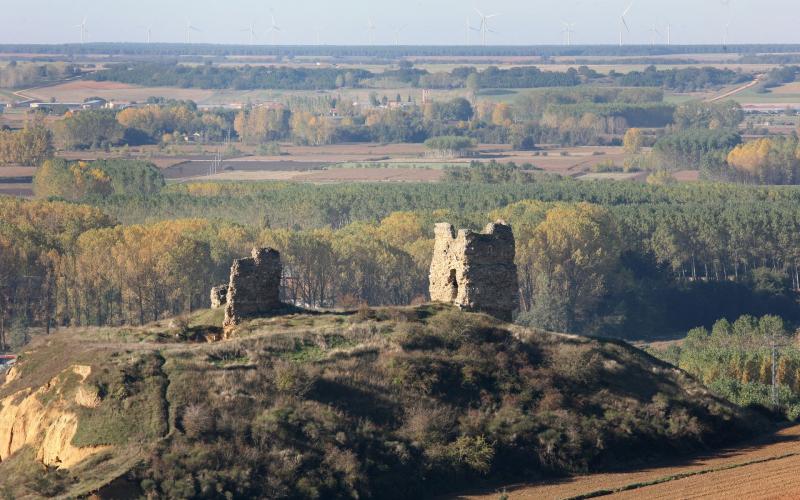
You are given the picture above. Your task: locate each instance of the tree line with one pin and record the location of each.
(552, 117)
(158, 51)
(16, 75)
(209, 76)
(594, 257)
(749, 361)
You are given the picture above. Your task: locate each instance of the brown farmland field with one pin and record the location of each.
(765, 468)
(79, 90)
(16, 181)
(14, 189)
(335, 175)
(379, 163)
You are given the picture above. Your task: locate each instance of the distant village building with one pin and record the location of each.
(65, 107)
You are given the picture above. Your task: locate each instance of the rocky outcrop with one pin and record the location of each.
(254, 287)
(476, 271)
(219, 296)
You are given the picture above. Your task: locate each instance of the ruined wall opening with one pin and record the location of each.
(453, 282)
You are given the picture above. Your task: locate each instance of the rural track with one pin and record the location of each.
(25, 97)
(763, 468)
(737, 90)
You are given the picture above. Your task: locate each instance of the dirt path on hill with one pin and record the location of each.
(766, 468)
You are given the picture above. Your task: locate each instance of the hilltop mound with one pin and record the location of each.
(397, 402)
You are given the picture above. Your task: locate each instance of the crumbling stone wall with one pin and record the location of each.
(219, 296)
(254, 288)
(476, 271)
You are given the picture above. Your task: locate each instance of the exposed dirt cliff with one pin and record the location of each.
(42, 419)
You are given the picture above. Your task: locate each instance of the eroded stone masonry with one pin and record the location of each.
(219, 296)
(254, 287)
(476, 271)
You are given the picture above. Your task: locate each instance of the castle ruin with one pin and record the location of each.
(219, 296)
(476, 271)
(254, 287)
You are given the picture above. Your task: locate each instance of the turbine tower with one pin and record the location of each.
(83, 30)
(728, 4)
(371, 31)
(669, 34)
(484, 28)
(727, 34)
(467, 29)
(568, 31)
(189, 28)
(623, 24)
(653, 34)
(149, 32)
(397, 34)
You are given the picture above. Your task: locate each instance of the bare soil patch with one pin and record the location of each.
(200, 168)
(334, 175)
(687, 175)
(12, 172)
(373, 175)
(21, 190)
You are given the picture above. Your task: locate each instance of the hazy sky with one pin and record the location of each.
(425, 21)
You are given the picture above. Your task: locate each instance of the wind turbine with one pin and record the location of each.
(82, 28)
(149, 31)
(653, 34)
(727, 34)
(623, 23)
(189, 28)
(251, 30)
(274, 29)
(568, 31)
(485, 24)
(371, 31)
(728, 5)
(397, 34)
(467, 30)
(669, 34)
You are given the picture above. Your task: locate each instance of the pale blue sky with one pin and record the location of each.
(427, 21)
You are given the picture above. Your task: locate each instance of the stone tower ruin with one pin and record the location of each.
(254, 287)
(476, 271)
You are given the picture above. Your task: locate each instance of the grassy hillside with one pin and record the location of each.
(389, 403)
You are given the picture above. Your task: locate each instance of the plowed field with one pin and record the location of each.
(767, 468)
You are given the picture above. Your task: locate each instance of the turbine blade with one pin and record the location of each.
(625, 13)
(624, 23)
